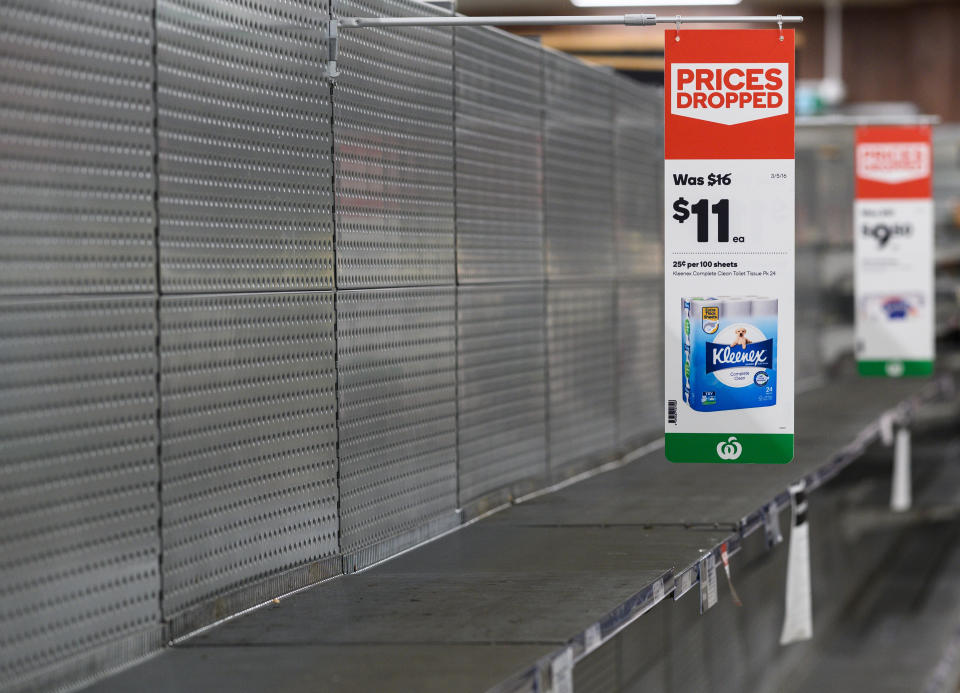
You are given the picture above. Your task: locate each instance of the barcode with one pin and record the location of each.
(672, 411)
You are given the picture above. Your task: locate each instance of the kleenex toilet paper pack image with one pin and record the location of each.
(730, 353)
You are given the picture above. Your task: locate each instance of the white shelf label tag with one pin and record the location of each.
(725, 556)
(684, 583)
(708, 582)
(658, 591)
(561, 670)
(593, 638)
(798, 612)
(771, 526)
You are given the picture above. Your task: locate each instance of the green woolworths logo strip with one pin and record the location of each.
(895, 369)
(730, 448)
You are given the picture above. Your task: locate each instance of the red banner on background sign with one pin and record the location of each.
(893, 162)
(730, 94)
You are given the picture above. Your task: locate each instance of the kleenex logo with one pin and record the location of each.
(755, 355)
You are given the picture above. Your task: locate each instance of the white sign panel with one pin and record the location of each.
(893, 252)
(729, 246)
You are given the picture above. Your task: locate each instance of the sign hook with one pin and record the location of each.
(780, 26)
(677, 37)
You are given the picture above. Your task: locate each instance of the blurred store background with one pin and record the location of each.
(856, 59)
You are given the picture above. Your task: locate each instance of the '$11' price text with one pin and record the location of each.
(701, 210)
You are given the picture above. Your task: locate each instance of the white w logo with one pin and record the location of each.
(729, 449)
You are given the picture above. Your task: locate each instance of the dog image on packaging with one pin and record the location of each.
(729, 352)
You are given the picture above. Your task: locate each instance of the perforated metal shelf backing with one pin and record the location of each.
(638, 170)
(809, 311)
(76, 141)
(580, 369)
(598, 672)
(578, 169)
(244, 136)
(499, 157)
(248, 408)
(639, 358)
(397, 393)
(825, 185)
(501, 387)
(393, 132)
(78, 477)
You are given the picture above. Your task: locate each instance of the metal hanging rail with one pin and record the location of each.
(340, 23)
(841, 120)
(611, 19)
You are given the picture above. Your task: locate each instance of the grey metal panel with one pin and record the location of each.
(244, 144)
(485, 583)
(78, 477)
(639, 359)
(248, 420)
(580, 367)
(644, 649)
(578, 169)
(810, 314)
(397, 394)
(393, 132)
(824, 268)
(597, 672)
(638, 171)
(76, 179)
(501, 387)
(825, 185)
(366, 668)
(499, 157)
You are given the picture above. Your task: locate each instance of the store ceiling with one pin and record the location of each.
(639, 50)
(480, 7)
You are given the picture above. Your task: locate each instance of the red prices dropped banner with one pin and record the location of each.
(767, 130)
(893, 162)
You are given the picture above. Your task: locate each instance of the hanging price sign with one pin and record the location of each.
(893, 251)
(729, 245)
